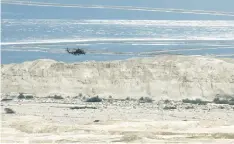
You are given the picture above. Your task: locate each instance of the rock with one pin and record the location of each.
(170, 76)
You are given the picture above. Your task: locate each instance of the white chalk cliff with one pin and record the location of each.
(160, 77)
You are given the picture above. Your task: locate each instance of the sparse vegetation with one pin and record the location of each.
(94, 99)
(167, 101)
(145, 100)
(224, 101)
(196, 101)
(189, 107)
(29, 97)
(231, 103)
(21, 96)
(80, 94)
(232, 99)
(169, 107)
(221, 107)
(57, 97)
(82, 107)
(220, 101)
(9, 111)
(128, 98)
(6, 99)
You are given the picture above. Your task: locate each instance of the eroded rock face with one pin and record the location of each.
(166, 76)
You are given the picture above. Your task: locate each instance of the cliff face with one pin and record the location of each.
(166, 76)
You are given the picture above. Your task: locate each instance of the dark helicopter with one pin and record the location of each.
(76, 51)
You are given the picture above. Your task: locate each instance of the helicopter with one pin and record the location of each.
(76, 51)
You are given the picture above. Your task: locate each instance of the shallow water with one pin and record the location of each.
(113, 30)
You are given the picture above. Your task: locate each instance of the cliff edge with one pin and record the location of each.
(160, 77)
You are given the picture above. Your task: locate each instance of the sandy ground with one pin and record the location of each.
(45, 120)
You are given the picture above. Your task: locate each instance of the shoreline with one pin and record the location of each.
(7, 56)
